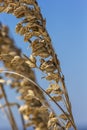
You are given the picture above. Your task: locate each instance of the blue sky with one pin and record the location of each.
(67, 26)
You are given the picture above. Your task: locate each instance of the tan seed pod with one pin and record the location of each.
(9, 9)
(23, 108)
(27, 1)
(37, 52)
(45, 63)
(50, 68)
(17, 60)
(46, 39)
(30, 92)
(51, 115)
(30, 19)
(13, 53)
(2, 9)
(53, 76)
(57, 98)
(58, 91)
(29, 35)
(68, 125)
(30, 63)
(13, 5)
(20, 11)
(52, 122)
(34, 102)
(49, 90)
(63, 116)
(52, 87)
(44, 54)
(49, 77)
(23, 30)
(6, 57)
(26, 117)
(18, 27)
(37, 46)
(35, 43)
(33, 28)
(32, 58)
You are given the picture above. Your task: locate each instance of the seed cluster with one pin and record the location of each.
(33, 27)
(34, 109)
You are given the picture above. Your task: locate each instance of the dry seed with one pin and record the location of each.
(22, 30)
(27, 1)
(63, 116)
(57, 98)
(68, 125)
(18, 27)
(2, 9)
(32, 58)
(31, 64)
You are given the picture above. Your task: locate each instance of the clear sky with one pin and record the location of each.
(67, 26)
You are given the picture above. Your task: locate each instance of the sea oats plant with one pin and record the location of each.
(36, 110)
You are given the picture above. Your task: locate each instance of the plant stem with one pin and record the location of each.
(13, 123)
(5, 71)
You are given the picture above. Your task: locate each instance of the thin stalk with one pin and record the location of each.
(13, 123)
(15, 104)
(10, 104)
(6, 71)
(69, 108)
